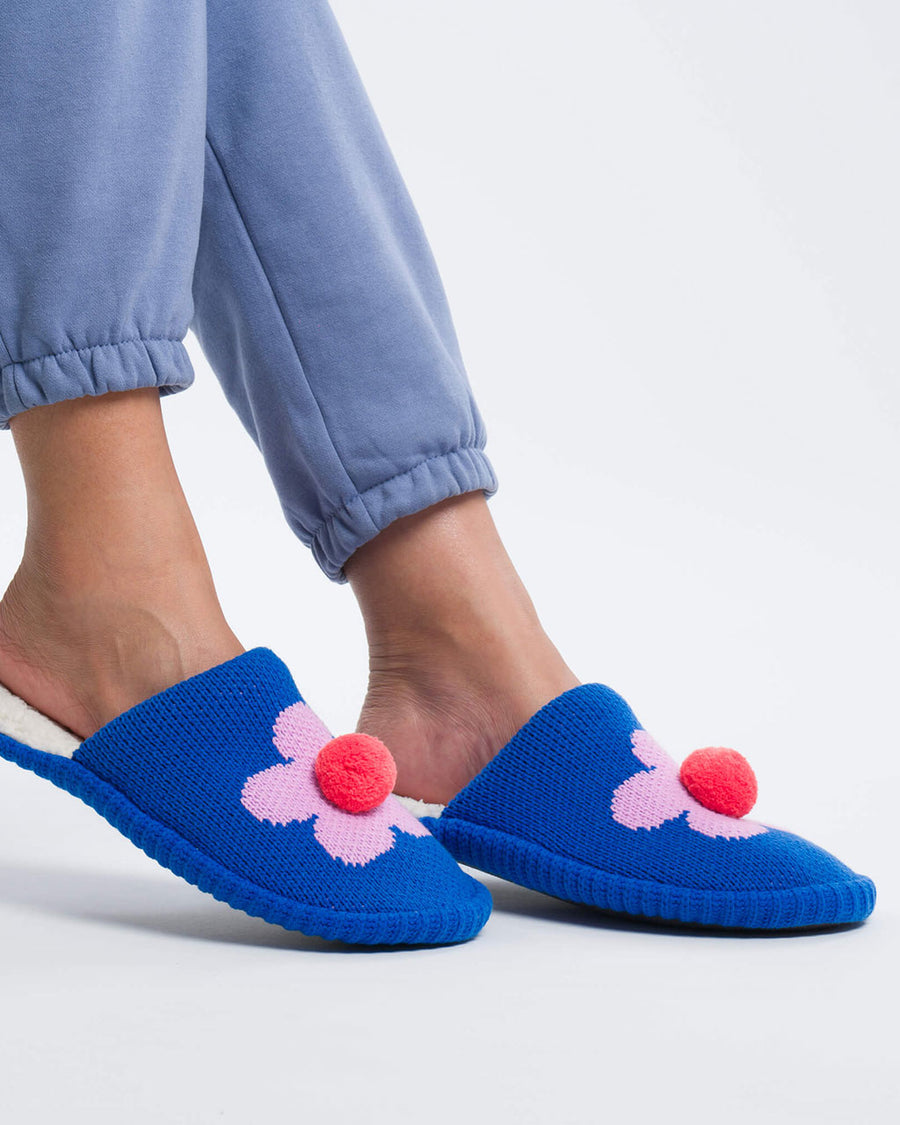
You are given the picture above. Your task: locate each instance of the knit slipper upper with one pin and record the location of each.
(583, 804)
(215, 778)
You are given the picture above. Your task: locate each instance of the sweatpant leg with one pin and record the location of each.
(317, 301)
(102, 119)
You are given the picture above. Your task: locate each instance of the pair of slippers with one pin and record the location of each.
(231, 781)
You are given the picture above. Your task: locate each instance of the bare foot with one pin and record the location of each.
(458, 658)
(114, 600)
(82, 657)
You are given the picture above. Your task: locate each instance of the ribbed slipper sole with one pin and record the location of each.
(529, 864)
(451, 924)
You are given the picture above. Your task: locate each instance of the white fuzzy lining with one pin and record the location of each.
(30, 727)
(420, 808)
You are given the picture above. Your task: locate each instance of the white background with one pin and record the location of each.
(670, 237)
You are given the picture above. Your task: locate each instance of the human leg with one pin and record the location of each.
(149, 710)
(101, 130)
(119, 679)
(321, 310)
(543, 776)
(113, 600)
(101, 125)
(458, 658)
(317, 299)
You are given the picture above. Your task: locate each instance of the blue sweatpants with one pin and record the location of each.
(216, 165)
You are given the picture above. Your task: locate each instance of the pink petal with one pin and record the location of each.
(649, 750)
(647, 799)
(715, 824)
(281, 794)
(404, 820)
(300, 733)
(356, 838)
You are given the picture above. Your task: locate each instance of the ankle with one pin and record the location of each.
(445, 710)
(444, 570)
(457, 655)
(114, 600)
(483, 659)
(437, 589)
(84, 654)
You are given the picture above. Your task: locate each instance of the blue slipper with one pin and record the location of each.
(583, 804)
(217, 779)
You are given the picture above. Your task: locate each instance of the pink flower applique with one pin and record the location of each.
(650, 797)
(283, 793)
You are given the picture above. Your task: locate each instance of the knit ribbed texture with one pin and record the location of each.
(169, 775)
(542, 814)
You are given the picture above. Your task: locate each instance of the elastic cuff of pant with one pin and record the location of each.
(126, 365)
(366, 514)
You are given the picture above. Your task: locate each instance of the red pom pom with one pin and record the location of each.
(356, 772)
(720, 779)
